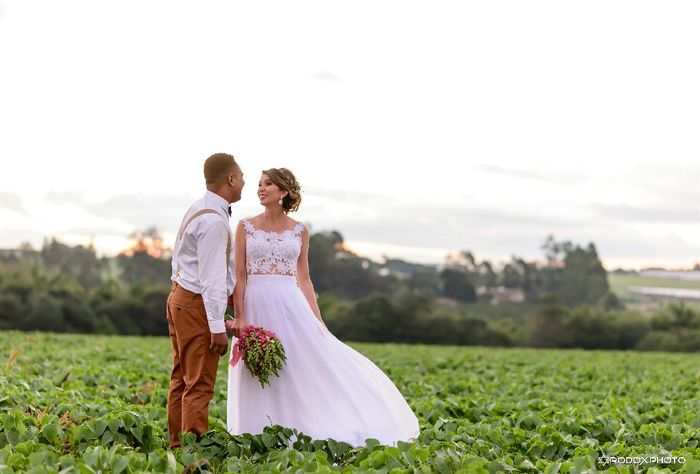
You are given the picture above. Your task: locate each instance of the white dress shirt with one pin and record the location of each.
(201, 256)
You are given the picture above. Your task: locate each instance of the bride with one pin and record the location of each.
(326, 389)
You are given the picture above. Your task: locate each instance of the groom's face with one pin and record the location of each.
(237, 182)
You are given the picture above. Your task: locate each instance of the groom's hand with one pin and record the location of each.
(219, 343)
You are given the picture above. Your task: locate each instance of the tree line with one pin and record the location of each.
(565, 300)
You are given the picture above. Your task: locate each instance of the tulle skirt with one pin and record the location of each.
(325, 390)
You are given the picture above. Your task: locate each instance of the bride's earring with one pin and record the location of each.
(279, 202)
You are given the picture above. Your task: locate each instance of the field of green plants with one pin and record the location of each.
(98, 404)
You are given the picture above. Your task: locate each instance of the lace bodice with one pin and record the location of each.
(272, 253)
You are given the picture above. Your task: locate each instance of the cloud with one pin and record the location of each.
(347, 196)
(647, 214)
(497, 233)
(549, 176)
(94, 231)
(13, 237)
(164, 211)
(13, 202)
(672, 184)
(327, 76)
(670, 246)
(75, 197)
(484, 230)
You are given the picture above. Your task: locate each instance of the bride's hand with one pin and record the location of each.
(238, 325)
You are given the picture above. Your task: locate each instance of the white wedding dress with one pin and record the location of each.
(326, 389)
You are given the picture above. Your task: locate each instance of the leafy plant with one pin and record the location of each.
(78, 403)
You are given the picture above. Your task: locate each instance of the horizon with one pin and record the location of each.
(381, 259)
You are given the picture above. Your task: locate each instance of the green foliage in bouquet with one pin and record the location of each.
(261, 351)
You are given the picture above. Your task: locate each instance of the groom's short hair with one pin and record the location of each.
(217, 168)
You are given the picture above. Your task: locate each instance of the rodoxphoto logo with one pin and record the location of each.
(605, 460)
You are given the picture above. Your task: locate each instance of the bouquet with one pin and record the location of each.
(261, 351)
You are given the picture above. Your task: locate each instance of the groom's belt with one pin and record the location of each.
(181, 289)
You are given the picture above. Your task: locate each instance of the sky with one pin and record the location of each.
(415, 128)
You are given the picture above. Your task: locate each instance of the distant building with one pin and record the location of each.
(692, 275)
(8, 255)
(664, 294)
(501, 294)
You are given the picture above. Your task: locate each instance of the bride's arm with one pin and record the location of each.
(303, 277)
(239, 259)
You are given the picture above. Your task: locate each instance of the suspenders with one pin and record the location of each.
(182, 231)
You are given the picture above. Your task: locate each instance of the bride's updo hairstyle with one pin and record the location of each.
(285, 180)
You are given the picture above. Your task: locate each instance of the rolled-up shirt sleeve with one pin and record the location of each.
(211, 255)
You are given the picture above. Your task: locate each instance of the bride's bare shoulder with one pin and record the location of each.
(255, 220)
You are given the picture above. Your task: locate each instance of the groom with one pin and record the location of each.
(203, 279)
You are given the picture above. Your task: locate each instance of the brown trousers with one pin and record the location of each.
(194, 365)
